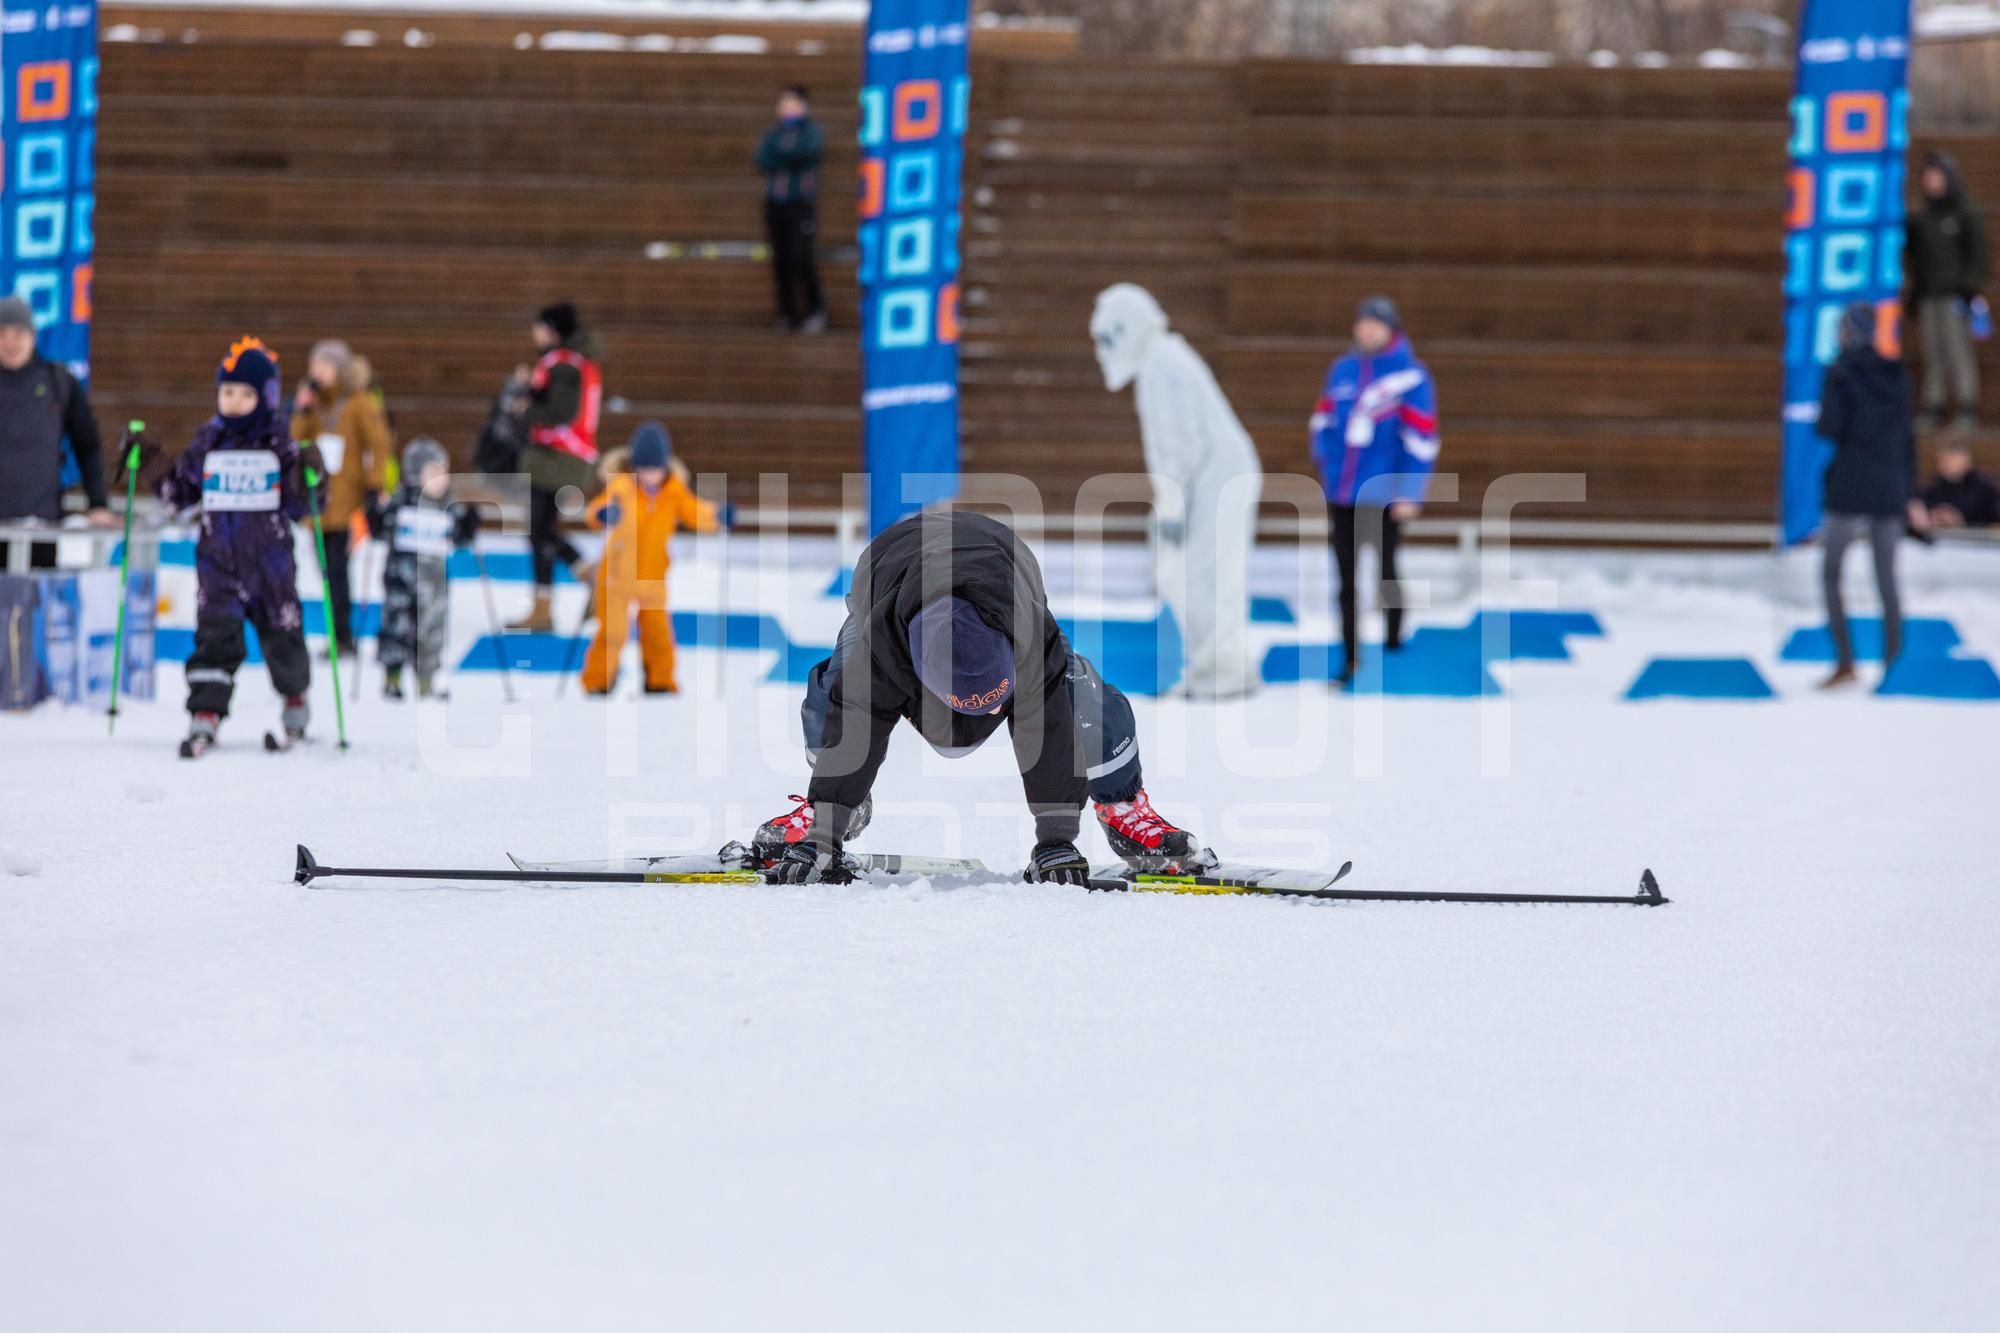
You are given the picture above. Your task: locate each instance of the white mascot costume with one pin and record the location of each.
(1206, 480)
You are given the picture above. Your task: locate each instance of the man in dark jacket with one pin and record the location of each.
(1870, 484)
(41, 404)
(789, 157)
(561, 408)
(1960, 496)
(1945, 263)
(948, 628)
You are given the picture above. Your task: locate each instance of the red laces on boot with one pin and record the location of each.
(798, 823)
(1135, 819)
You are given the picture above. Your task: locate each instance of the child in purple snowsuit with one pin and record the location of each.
(245, 474)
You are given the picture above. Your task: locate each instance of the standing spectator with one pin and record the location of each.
(1945, 264)
(789, 157)
(1375, 438)
(41, 403)
(1961, 496)
(1864, 409)
(560, 408)
(334, 409)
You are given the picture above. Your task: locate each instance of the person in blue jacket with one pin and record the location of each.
(1375, 439)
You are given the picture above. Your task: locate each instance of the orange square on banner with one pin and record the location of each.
(947, 313)
(1800, 212)
(79, 293)
(873, 174)
(1869, 135)
(1889, 329)
(43, 91)
(927, 94)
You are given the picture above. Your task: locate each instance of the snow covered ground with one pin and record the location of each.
(228, 1103)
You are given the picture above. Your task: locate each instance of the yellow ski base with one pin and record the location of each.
(704, 877)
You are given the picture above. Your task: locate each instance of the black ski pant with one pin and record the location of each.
(1108, 732)
(1353, 528)
(339, 595)
(794, 271)
(219, 651)
(545, 537)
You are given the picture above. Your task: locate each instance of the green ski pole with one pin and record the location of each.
(129, 448)
(326, 605)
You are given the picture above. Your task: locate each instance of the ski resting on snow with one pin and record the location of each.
(731, 866)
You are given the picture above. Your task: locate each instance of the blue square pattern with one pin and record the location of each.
(41, 163)
(1923, 636)
(1700, 678)
(1845, 260)
(86, 157)
(86, 87)
(42, 290)
(909, 248)
(874, 116)
(1889, 258)
(1805, 126)
(913, 181)
(84, 226)
(1798, 264)
(1826, 333)
(869, 238)
(1851, 193)
(903, 319)
(40, 229)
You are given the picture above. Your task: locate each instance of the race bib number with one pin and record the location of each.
(423, 531)
(240, 481)
(333, 450)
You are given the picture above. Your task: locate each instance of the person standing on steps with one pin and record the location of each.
(1864, 410)
(335, 409)
(561, 408)
(41, 405)
(1375, 438)
(1945, 265)
(789, 156)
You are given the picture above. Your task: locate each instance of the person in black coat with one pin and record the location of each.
(1871, 483)
(949, 629)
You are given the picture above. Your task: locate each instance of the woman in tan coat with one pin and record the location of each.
(335, 410)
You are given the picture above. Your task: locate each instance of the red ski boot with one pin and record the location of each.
(773, 836)
(1145, 841)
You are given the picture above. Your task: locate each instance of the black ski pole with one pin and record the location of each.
(309, 869)
(493, 623)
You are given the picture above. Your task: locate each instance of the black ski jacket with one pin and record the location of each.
(913, 563)
(1865, 410)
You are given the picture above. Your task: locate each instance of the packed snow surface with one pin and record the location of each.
(230, 1103)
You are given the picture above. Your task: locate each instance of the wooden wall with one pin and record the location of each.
(1588, 259)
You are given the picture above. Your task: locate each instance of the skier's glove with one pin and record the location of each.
(810, 863)
(609, 515)
(1057, 863)
(725, 515)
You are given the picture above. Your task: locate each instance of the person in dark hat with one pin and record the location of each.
(789, 156)
(646, 500)
(41, 405)
(1871, 482)
(561, 409)
(948, 628)
(1375, 439)
(246, 476)
(1945, 265)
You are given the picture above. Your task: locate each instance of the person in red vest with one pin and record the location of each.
(561, 408)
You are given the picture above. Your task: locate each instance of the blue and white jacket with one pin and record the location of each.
(1376, 418)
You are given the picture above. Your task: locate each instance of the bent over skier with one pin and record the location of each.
(948, 628)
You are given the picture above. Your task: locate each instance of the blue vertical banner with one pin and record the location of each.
(1844, 219)
(915, 101)
(48, 150)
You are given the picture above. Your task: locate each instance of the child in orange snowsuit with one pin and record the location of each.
(640, 510)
